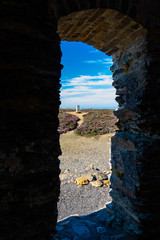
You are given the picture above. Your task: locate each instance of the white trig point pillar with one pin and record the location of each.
(77, 109)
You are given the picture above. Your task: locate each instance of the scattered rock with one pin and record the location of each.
(71, 180)
(63, 183)
(82, 181)
(67, 171)
(62, 176)
(91, 166)
(101, 176)
(97, 183)
(97, 179)
(106, 182)
(107, 172)
(90, 177)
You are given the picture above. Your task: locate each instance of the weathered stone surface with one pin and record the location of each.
(90, 177)
(91, 166)
(81, 230)
(82, 181)
(102, 34)
(106, 182)
(29, 150)
(133, 139)
(101, 176)
(97, 183)
(96, 179)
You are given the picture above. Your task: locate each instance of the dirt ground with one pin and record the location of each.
(78, 154)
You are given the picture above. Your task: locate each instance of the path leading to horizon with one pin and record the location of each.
(80, 116)
(78, 154)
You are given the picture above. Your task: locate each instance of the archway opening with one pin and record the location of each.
(86, 80)
(118, 35)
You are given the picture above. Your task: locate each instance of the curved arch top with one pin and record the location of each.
(106, 29)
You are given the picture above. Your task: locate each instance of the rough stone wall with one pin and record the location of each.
(131, 141)
(29, 101)
(135, 147)
(116, 34)
(150, 189)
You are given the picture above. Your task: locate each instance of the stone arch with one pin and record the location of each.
(105, 29)
(118, 35)
(29, 78)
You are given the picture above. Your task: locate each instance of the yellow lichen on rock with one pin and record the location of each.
(82, 181)
(71, 180)
(106, 182)
(62, 176)
(107, 172)
(63, 183)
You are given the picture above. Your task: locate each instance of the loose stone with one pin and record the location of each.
(67, 171)
(101, 176)
(106, 182)
(62, 176)
(71, 180)
(97, 183)
(82, 181)
(90, 177)
(91, 166)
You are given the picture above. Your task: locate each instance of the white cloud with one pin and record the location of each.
(88, 97)
(89, 92)
(88, 80)
(106, 61)
(80, 90)
(75, 91)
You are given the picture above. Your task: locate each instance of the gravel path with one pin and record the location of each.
(78, 154)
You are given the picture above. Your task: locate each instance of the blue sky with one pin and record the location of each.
(86, 79)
